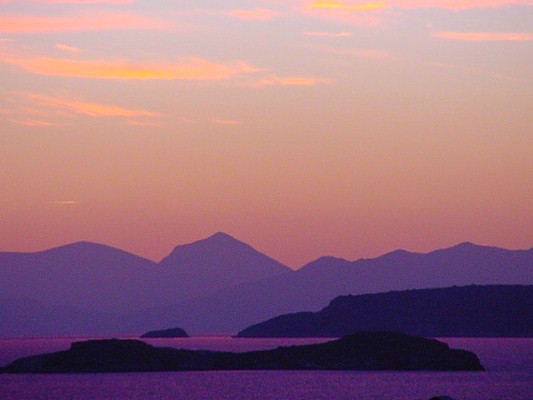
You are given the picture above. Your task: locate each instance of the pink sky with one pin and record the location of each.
(305, 128)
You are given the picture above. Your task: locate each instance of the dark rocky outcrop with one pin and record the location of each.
(470, 311)
(362, 351)
(166, 333)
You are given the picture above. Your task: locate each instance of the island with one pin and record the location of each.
(166, 333)
(469, 311)
(361, 351)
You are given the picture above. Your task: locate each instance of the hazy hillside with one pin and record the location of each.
(313, 286)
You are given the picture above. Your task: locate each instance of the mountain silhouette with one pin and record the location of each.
(314, 285)
(95, 286)
(470, 311)
(81, 275)
(216, 262)
(217, 285)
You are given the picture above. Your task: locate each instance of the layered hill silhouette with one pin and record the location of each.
(471, 311)
(90, 288)
(313, 286)
(216, 285)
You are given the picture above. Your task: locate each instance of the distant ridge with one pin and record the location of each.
(313, 286)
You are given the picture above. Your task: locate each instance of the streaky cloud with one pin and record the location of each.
(34, 123)
(94, 21)
(227, 122)
(70, 1)
(329, 34)
(192, 68)
(66, 47)
(261, 14)
(86, 108)
(65, 202)
(355, 52)
(352, 6)
(288, 81)
(486, 36)
(358, 6)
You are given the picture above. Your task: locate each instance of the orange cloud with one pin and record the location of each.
(288, 81)
(485, 36)
(27, 24)
(189, 69)
(361, 6)
(456, 4)
(261, 14)
(329, 34)
(86, 108)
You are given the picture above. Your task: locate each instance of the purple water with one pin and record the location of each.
(509, 377)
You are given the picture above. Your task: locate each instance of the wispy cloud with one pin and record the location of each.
(227, 122)
(34, 123)
(66, 47)
(366, 14)
(457, 4)
(355, 52)
(192, 68)
(485, 36)
(86, 108)
(329, 34)
(374, 6)
(94, 21)
(143, 123)
(65, 202)
(70, 1)
(288, 81)
(261, 14)
(352, 6)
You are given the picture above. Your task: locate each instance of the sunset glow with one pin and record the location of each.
(303, 127)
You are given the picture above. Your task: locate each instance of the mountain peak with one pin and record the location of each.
(221, 256)
(218, 240)
(221, 236)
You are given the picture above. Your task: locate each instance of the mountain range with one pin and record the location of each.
(216, 285)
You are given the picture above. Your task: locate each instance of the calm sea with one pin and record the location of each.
(509, 376)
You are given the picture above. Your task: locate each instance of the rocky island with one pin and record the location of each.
(166, 333)
(361, 351)
(469, 311)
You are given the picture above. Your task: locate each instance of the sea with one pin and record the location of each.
(509, 376)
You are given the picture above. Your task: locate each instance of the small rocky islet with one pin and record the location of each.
(360, 351)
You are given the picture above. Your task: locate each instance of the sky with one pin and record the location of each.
(305, 128)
